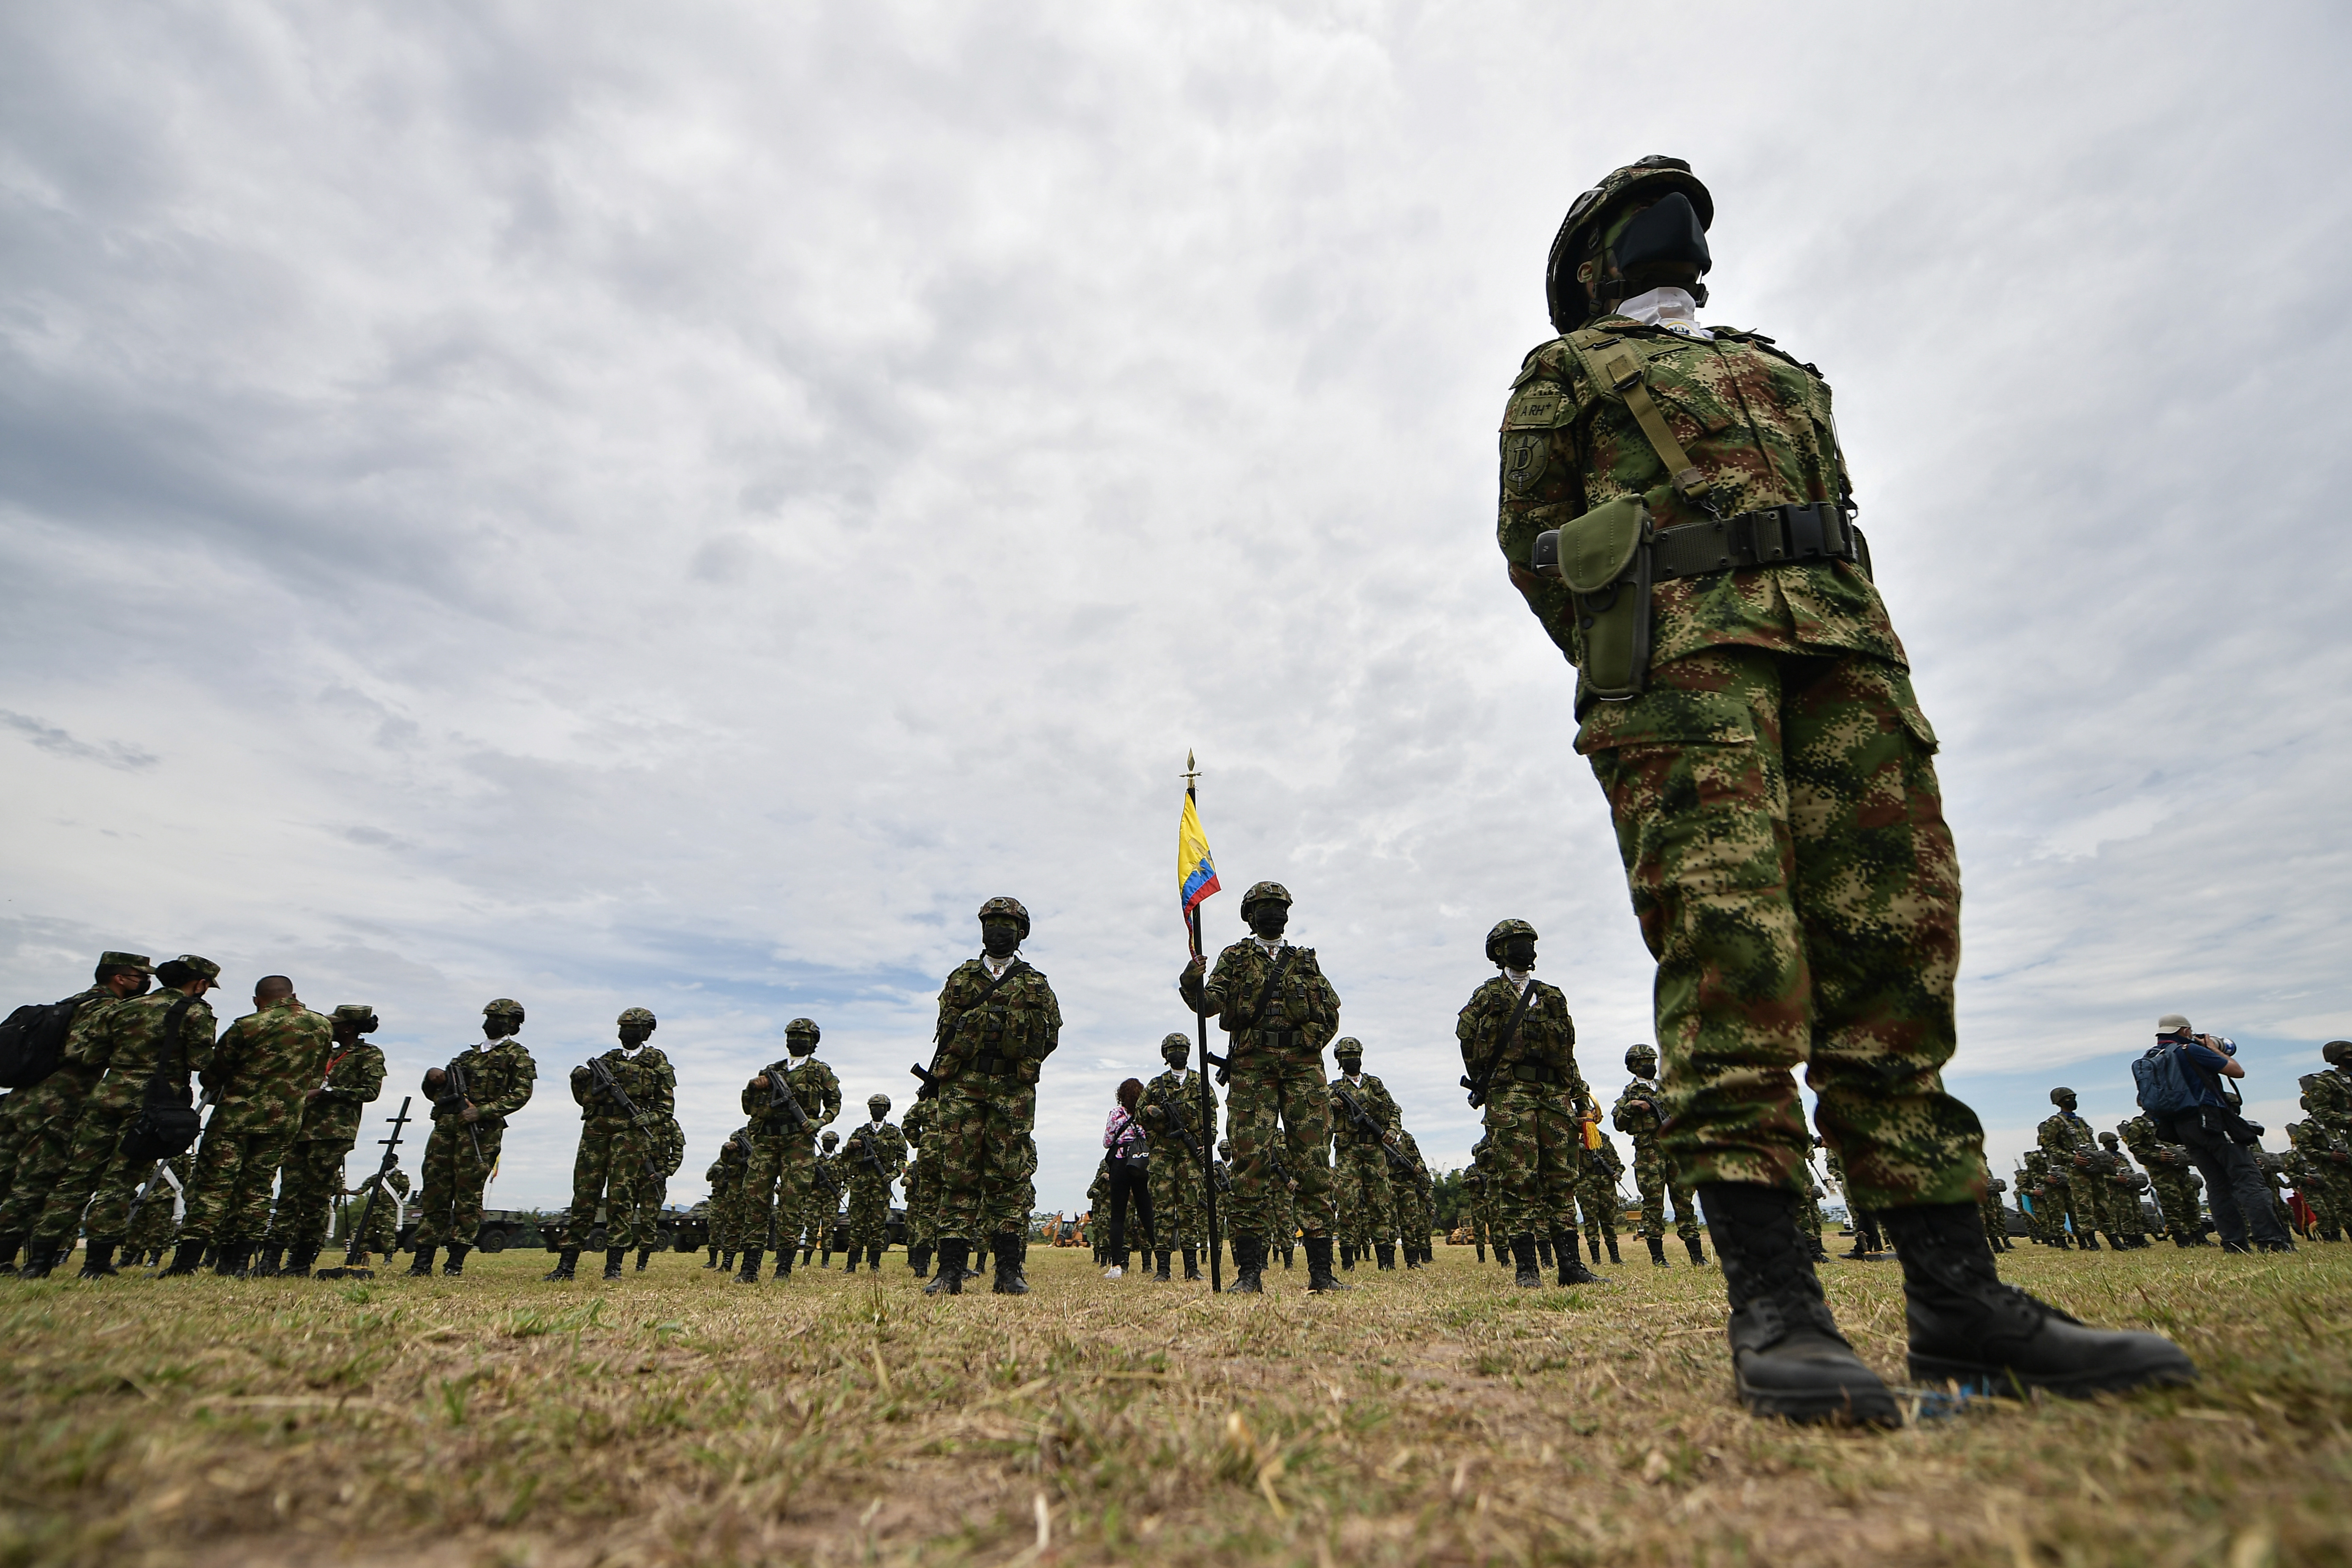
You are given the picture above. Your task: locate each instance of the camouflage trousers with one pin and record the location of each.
(817, 1216)
(228, 1195)
(870, 1214)
(16, 1125)
(1596, 1195)
(379, 1225)
(2176, 1194)
(1410, 1219)
(986, 1158)
(1783, 838)
(45, 1119)
(2076, 1205)
(776, 1182)
(157, 1223)
(1995, 1222)
(1534, 1159)
(449, 1210)
(1811, 1223)
(1279, 1115)
(1366, 1200)
(721, 1213)
(610, 1170)
(308, 1183)
(1179, 1207)
(96, 1178)
(1656, 1186)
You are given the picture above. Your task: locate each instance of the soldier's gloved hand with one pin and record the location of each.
(580, 1071)
(470, 1113)
(434, 1076)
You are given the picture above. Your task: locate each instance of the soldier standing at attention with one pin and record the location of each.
(1518, 1044)
(1745, 707)
(264, 1066)
(1171, 1115)
(784, 1149)
(1416, 1205)
(998, 1021)
(725, 1177)
(472, 1098)
(2066, 1140)
(2119, 1196)
(1596, 1190)
(1639, 1114)
(312, 1176)
(1273, 999)
(1360, 1173)
(37, 1121)
(819, 1216)
(616, 1159)
(382, 1217)
(875, 1154)
(920, 1236)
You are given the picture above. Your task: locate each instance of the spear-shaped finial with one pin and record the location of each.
(1191, 769)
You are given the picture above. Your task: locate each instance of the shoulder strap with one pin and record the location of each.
(1510, 1032)
(1610, 364)
(179, 1010)
(1266, 992)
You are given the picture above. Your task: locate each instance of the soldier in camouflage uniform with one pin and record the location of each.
(312, 1176)
(2120, 1187)
(998, 1021)
(376, 1211)
(1518, 1044)
(2168, 1166)
(782, 1167)
(1772, 782)
(1171, 1117)
(131, 1042)
(615, 1165)
(1361, 1171)
(1639, 1114)
(1416, 1203)
(819, 1215)
(472, 1098)
(1596, 1190)
(2328, 1095)
(1996, 1226)
(1273, 1000)
(2047, 1219)
(2320, 1166)
(263, 1069)
(922, 1234)
(725, 1177)
(2069, 1146)
(872, 1156)
(37, 1121)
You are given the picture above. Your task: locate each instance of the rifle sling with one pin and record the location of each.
(1273, 980)
(1510, 1032)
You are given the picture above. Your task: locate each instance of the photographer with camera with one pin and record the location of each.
(2180, 1087)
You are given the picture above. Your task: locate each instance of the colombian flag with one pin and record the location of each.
(1196, 870)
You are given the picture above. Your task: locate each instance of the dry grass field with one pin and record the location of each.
(1434, 1417)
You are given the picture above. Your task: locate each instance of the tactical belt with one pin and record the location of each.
(1282, 1039)
(1767, 537)
(993, 1064)
(1533, 1072)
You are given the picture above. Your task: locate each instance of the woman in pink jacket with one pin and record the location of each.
(1131, 1155)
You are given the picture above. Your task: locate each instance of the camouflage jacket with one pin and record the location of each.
(1017, 1025)
(1305, 1007)
(397, 1180)
(1098, 1190)
(2063, 1138)
(2138, 1135)
(348, 1083)
(812, 1085)
(1373, 1095)
(82, 1059)
(1546, 1037)
(126, 1038)
(645, 1075)
(1423, 1182)
(278, 1054)
(500, 1077)
(889, 1147)
(2325, 1156)
(1173, 1100)
(2328, 1099)
(1640, 1111)
(1757, 425)
(1603, 1163)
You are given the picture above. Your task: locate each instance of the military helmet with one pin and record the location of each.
(2034, 1157)
(801, 1036)
(2061, 1096)
(1578, 260)
(359, 1014)
(878, 1102)
(1640, 1058)
(1264, 893)
(830, 1137)
(637, 1016)
(1175, 1047)
(1224, 1147)
(2336, 1053)
(1348, 1046)
(504, 1007)
(1009, 908)
(1504, 932)
(2108, 1139)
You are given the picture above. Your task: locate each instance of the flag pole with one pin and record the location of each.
(1208, 1103)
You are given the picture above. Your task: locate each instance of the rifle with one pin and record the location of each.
(161, 1172)
(1363, 1119)
(865, 1139)
(941, 1036)
(357, 1249)
(1192, 1145)
(1479, 1088)
(612, 1091)
(782, 1097)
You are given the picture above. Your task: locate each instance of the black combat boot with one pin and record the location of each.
(1612, 1250)
(1412, 1252)
(1347, 1255)
(1386, 1252)
(1249, 1263)
(854, 1253)
(1011, 1251)
(1591, 1241)
(9, 1246)
(727, 1261)
(712, 1262)
(874, 1257)
(1319, 1276)
(645, 1254)
(808, 1253)
(1788, 1358)
(1698, 1256)
(1572, 1270)
(1969, 1327)
(613, 1258)
(188, 1258)
(1289, 1253)
(266, 1266)
(1480, 1248)
(1192, 1263)
(1524, 1259)
(750, 1274)
(230, 1262)
(298, 1262)
(2088, 1240)
(918, 1259)
(98, 1261)
(39, 1261)
(783, 1269)
(1658, 1251)
(954, 1250)
(567, 1263)
(455, 1265)
(1544, 1252)
(825, 1259)
(1162, 1277)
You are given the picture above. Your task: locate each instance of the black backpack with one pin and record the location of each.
(168, 1122)
(33, 1041)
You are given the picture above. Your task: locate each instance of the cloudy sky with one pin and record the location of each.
(615, 506)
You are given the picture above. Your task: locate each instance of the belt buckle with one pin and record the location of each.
(1802, 526)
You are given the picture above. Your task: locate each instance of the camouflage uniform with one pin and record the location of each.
(2066, 1140)
(618, 1165)
(2120, 1187)
(1638, 1113)
(312, 1176)
(126, 1038)
(1995, 1227)
(2319, 1165)
(782, 1168)
(1178, 1191)
(998, 1022)
(1360, 1173)
(264, 1066)
(1416, 1210)
(1535, 1143)
(1596, 1195)
(156, 1225)
(922, 1232)
(819, 1216)
(41, 1120)
(872, 1154)
(724, 1176)
(500, 1076)
(1773, 784)
(2168, 1166)
(382, 1218)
